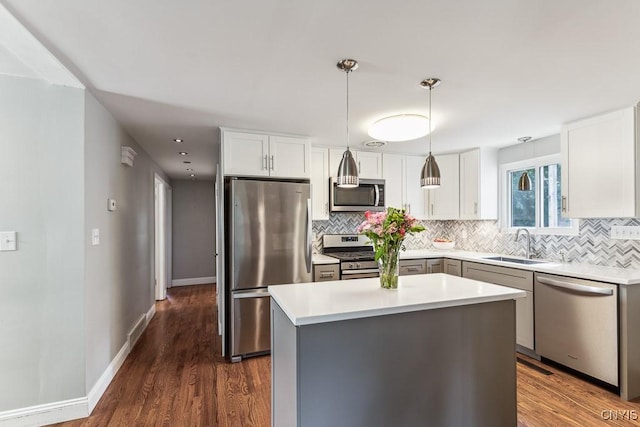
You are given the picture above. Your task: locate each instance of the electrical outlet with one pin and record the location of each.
(619, 232)
(95, 236)
(8, 241)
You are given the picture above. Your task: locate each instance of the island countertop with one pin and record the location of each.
(321, 302)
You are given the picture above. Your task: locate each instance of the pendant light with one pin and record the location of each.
(430, 176)
(347, 171)
(524, 184)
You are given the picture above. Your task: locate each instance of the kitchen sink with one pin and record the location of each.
(514, 260)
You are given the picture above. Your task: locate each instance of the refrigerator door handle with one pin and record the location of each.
(308, 239)
(255, 294)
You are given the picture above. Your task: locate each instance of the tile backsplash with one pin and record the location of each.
(591, 246)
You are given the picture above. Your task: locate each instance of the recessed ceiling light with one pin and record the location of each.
(189, 170)
(192, 175)
(178, 140)
(187, 162)
(374, 143)
(183, 153)
(402, 127)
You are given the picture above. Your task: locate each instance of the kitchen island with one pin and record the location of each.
(439, 350)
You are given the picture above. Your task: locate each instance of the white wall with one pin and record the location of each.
(119, 271)
(194, 229)
(41, 197)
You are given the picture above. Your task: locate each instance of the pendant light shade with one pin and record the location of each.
(430, 176)
(347, 170)
(524, 184)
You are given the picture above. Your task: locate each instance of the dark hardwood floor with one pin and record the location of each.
(174, 377)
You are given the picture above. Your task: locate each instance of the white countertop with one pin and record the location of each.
(620, 276)
(321, 302)
(324, 259)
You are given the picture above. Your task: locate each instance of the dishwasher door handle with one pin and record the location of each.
(595, 290)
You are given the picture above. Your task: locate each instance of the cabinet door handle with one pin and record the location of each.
(272, 162)
(475, 207)
(326, 208)
(266, 165)
(432, 209)
(359, 169)
(564, 203)
(408, 207)
(413, 269)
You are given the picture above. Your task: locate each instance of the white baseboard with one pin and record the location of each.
(103, 382)
(49, 413)
(194, 281)
(151, 313)
(73, 409)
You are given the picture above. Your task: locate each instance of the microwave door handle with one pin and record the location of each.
(377, 191)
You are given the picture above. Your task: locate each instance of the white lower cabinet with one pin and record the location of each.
(514, 278)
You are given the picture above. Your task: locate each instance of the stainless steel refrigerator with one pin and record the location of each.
(268, 242)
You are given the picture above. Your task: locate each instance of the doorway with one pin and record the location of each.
(162, 232)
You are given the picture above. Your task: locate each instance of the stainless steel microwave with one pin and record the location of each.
(368, 196)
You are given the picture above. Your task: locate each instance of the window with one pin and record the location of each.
(538, 210)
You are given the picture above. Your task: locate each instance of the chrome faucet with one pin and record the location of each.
(528, 249)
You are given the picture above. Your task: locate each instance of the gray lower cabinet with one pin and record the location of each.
(453, 267)
(514, 278)
(409, 267)
(420, 266)
(326, 272)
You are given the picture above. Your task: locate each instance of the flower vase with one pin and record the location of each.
(388, 265)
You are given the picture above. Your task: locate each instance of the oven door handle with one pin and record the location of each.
(376, 188)
(363, 271)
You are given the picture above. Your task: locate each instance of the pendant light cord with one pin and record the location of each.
(430, 88)
(348, 71)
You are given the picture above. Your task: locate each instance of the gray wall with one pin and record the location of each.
(194, 229)
(41, 197)
(119, 271)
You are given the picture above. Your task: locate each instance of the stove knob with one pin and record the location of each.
(350, 265)
(357, 264)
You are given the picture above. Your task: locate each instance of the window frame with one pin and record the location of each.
(505, 197)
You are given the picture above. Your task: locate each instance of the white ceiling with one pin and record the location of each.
(509, 68)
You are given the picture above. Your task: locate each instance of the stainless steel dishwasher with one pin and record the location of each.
(576, 325)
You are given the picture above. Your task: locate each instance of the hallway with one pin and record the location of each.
(175, 377)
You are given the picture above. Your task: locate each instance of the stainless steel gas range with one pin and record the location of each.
(355, 253)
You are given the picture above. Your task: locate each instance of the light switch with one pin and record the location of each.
(111, 205)
(619, 232)
(8, 241)
(95, 236)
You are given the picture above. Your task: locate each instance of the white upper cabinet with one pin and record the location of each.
(394, 175)
(444, 201)
(245, 154)
(320, 183)
(255, 154)
(479, 184)
(415, 195)
(402, 183)
(290, 157)
(369, 163)
(600, 162)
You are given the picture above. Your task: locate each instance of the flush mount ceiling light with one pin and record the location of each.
(183, 153)
(430, 176)
(347, 170)
(402, 127)
(524, 183)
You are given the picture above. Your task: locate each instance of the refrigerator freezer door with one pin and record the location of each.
(251, 323)
(269, 233)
